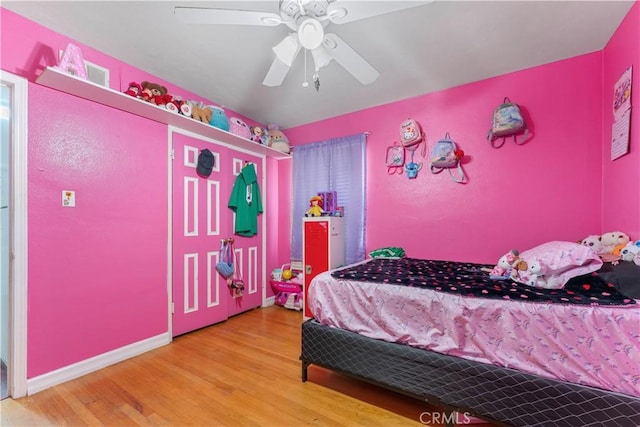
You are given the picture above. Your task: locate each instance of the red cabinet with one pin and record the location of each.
(322, 249)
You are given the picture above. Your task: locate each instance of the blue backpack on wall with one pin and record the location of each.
(446, 155)
(507, 120)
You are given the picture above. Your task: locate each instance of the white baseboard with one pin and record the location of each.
(269, 301)
(93, 364)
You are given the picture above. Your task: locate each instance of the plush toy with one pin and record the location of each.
(134, 90)
(631, 252)
(258, 135)
(594, 242)
(315, 208)
(153, 93)
(219, 119)
(612, 239)
(536, 270)
(607, 245)
(200, 112)
(508, 266)
(177, 105)
(276, 139)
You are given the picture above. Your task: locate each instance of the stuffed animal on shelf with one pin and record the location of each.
(258, 135)
(219, 118)
(277, 140)
(200, 112)
(134, 90)
(315, 207)
(153, 93)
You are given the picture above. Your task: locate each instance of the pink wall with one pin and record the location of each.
(621, 177)
(517, 196)
(97, 272)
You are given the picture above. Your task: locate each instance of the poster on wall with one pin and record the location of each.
(621, 115)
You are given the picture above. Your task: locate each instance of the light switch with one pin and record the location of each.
(69, 199)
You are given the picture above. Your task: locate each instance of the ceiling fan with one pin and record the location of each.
(308, 20)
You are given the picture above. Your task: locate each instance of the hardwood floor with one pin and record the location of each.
(242, 372)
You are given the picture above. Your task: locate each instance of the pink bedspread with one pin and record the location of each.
(597, 346)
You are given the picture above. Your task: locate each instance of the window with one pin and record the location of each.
(339, 165)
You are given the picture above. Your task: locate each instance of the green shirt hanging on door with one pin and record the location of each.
(245, 201)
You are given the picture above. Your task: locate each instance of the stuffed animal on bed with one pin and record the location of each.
(607, 245)
(536, 270)
(508, 266)
(631, 252)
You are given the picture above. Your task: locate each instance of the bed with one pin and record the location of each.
(505, 352)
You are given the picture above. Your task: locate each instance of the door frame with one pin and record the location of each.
(263, 186)
(18, 245)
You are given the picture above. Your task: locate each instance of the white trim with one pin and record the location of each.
(263, 157)
(96, 363)
(17, 373)
(170, 160)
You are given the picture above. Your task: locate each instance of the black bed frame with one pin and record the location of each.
(499, 395)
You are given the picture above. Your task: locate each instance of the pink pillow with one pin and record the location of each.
(552, 264)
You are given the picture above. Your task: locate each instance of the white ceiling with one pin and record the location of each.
(419, 50)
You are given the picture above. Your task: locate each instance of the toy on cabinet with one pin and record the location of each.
(315, 207)
(238, 127)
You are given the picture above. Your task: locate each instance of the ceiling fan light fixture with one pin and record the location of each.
(321, 57)
(310, 33)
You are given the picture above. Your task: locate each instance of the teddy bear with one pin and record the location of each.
(631, 252)
(277, 140)
(536, 270)
(153, 93)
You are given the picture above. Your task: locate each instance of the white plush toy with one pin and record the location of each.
(631, 252)
(536, 270)
(594, 242)
(613, 239)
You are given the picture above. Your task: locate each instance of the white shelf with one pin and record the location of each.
(57, 79)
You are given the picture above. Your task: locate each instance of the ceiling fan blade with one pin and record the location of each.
(343, 11)
(203, 15)
(276, 74)
(287, 49)
(350, 59)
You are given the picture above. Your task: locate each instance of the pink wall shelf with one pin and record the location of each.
(56, 79)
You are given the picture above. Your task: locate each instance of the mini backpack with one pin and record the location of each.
(507, 120)
(395, 158)
(446, 155)
(410, 133)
